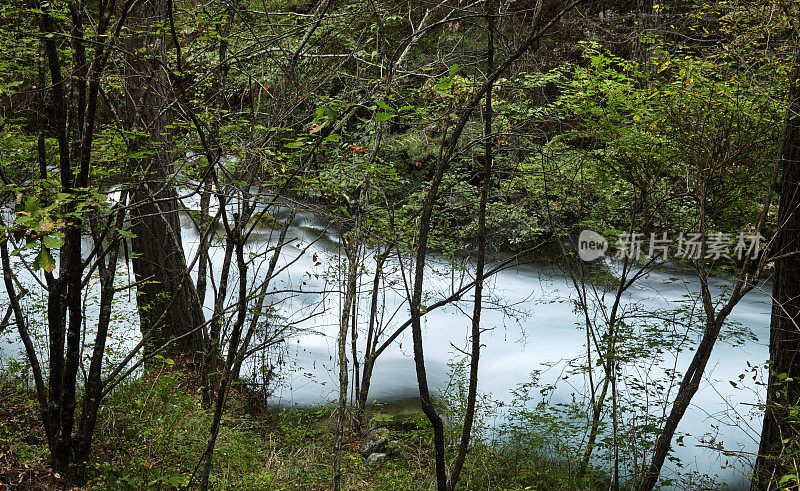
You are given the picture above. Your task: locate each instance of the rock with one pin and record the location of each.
(374, 446)
(394, 450)
(265, 220)
(377, 433)
(376, 459)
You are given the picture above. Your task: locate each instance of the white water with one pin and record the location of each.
(545, 330)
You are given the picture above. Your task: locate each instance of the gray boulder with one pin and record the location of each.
(376, 459)
(374, 446)
(393, 450)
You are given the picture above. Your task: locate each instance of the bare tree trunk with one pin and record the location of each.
(783, 388)
(472, 390)
(238, 346)
(594, 428)
(75, 117)
(64, 292)
(166, 291)
(687, 390)
(56, 310)
(212, 351)
(371, 342)
(712, 325)
(94, 387)
(341, 341)
(233, 349)
(449, 147)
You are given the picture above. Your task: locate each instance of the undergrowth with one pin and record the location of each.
(152, 431)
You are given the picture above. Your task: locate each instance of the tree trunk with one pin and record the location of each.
(371, 344)
(341, 342)
(168, 302)
(475, 338)
(93, 385)
(784, 342)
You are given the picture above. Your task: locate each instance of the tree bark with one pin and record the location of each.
(783, 389)
(352, 253)
(94, 387)
(167, 299)
(372, 342)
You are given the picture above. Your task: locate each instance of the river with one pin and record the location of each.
(532, 326)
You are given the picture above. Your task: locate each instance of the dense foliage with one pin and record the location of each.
(458, 128)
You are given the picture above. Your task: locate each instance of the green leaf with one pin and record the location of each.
(44, 260)
(444, 84)
(383, 105)
(383, 117)
(32, 204)
(53, 241)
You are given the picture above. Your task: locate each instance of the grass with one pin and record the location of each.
(152, 431)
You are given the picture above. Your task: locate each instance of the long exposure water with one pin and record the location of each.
(531, 325)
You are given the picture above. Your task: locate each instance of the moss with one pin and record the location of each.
(265, 220)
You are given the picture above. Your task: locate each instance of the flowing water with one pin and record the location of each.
(532, 326)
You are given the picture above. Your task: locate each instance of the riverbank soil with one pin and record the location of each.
(22, 443)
